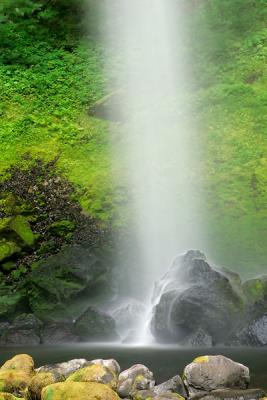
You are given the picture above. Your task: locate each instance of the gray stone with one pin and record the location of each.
(66, 368)
(174, 385)
(111, 364)
(209, 373)
(134, 379)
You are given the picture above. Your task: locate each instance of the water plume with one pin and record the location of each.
(154, 140)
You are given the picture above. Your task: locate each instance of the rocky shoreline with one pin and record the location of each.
(206, 377)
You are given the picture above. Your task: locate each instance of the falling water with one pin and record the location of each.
(154, 139)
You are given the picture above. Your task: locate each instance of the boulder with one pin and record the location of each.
(111, 364)
(209, 373)
(64, 369)
(56, 333)
(196, 302)
(21, 362)
(57, 281)
(9, 396)
(40, 381)
(14, 381)
(24, 330)
(95, 325)
(151, 394)
(95, 373)
(85, 391)
(134, 379)
(230, 394)
(173, 385)
(255, 290)
(253, 334)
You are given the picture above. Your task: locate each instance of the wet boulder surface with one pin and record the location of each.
(198, 305)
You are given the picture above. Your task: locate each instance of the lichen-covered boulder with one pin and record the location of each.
(134, 379)
(78, 390)
(95, 373)
(9, 396)
(40, 381)
(209, 373)
(21, 362)
(65, 369)
(151, 394)
(14, 381)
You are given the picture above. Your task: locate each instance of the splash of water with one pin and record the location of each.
(155, 139)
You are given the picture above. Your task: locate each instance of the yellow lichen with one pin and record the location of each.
(201, 359)
(22, 362)
(81, 390)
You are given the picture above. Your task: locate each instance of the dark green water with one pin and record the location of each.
(165, 362)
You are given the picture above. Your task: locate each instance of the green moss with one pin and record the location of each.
(7, 249)
(4, 223)
(21, 226)
(63, 228)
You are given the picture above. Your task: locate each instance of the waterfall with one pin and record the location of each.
(154, 137)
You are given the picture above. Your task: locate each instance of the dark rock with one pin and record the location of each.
(24, 330)
(59, 280)
(57, 333)
(199, 338)
(193, 297)
(95, 325)
(253, 334)
(174, 385)
(230, 394)
(209, 373)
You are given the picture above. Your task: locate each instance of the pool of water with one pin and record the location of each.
(164, 361)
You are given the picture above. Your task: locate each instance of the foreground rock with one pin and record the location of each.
(195, 303)
(209, 373)
(228, 394)
(134, 379)
(78, 390)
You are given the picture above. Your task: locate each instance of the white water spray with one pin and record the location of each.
(155, 140)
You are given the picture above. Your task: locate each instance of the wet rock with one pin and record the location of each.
(134, 379)
(254, 333)
(95, 325)
(230, 394)
(209, 373)
(66, 368)
(194, 297)
(25, 330)
(85, 391)
(151, 394)
(174, 385)
(15, 374)
(95, 373)
(57, 281)
(56, 333)
(199, 338)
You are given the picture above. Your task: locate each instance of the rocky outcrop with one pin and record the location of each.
(195, 303)
(134, 379)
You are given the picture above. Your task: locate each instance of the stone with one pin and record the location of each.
(230, 394)
(134, 379)
(56, 333)
(111, 364)
(57, 283)
(9, 396)
(85, 391)
(24, 330)
(174, 385)
(14, 381)
(95, 373)
(40, 381)
(209, 373)
(96, 325)
(254, 333)
(194, 297)
(65, 368)
(21, 362)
